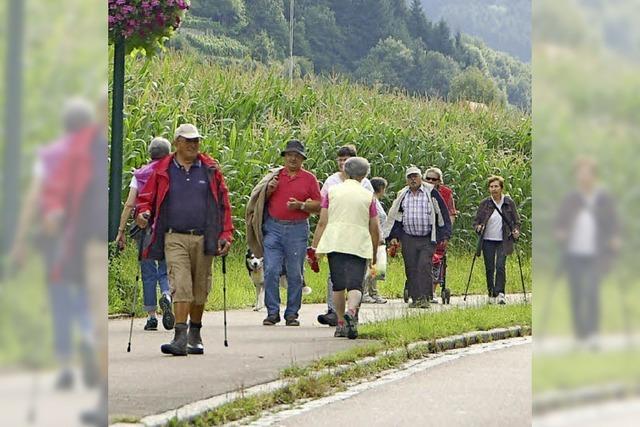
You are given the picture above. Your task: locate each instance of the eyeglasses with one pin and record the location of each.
(430, 178)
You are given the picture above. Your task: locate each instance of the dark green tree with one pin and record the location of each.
(268, 16)
(389, 63)
(227, 12)
(473, 85)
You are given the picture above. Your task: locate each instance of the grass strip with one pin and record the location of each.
(348, 366)
(580, 369)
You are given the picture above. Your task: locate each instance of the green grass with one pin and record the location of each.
(303, 384)
(582, 369)
(241, 292)
(429, 326)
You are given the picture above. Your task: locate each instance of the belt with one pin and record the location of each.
(289, 221)
(192, 232)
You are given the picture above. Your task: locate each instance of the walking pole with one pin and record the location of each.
(475, 255)
(134, 231)
(224, 294)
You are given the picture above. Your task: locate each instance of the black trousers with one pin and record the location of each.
(584, 284)
(417, 252)
(495, 261)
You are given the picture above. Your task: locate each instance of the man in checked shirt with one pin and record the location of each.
(419, 219)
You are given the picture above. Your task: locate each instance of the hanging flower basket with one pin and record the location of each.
(144, 24)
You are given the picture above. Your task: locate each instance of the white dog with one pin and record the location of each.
(255, 268)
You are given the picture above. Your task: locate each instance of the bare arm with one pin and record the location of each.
(322, 224)
(126, 214)
(374, 230)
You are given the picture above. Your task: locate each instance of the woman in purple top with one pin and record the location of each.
(153, 272)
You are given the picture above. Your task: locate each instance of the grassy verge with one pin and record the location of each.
(308, 383)
(583, 369)
(241, 292)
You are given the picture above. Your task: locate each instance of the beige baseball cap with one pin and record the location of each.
(187, 130)
(413, 169)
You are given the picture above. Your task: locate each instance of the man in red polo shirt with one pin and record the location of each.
(292, 195)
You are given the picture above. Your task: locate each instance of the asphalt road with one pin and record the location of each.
(492, 388)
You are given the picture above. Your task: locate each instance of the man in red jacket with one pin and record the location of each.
(188, 201)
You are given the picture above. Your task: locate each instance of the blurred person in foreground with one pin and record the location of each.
(187, 202)
(75, 206)
(348, 210)
(370, 293)
(588, 230)
(499, 233)
(293, 193)
(154, 272)
(344, 153)
(434, 176)
(419, 219)
(68, 295)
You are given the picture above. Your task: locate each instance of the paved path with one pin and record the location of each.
(30, 399)
(488, 388)
(146, 382)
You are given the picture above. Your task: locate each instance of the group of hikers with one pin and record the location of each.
(183, 199)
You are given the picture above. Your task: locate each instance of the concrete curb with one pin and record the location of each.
(192, 410)
(559, 400)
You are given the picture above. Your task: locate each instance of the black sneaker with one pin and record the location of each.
(292, 321)
(351, 325)
(152, 324)
(330, 318)
(271, 320)
(168, 319)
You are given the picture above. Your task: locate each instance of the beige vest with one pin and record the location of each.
(347, 229)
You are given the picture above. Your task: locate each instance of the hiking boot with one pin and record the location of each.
(351, 325)
(151, 325)
(330, 318)
(168, 319)
(64, 380)
(271, 319)
(420, 303)
(194, 340)
(379, 300)
(292, 321)
(367, 299)
(501, 299)
(341, 331)
(177, 347)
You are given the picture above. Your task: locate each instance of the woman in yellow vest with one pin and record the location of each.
(348, 231)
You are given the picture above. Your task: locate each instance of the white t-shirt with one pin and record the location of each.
(134, 183)
(582, 240)
(336, 179)
(493, 230)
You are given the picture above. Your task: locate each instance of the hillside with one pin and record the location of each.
(383, 43)
(504, 25)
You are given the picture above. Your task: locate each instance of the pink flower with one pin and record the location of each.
(121, 2)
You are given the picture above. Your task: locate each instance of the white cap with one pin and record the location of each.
(188, 131)
(413, 169)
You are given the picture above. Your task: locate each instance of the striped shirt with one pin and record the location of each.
(416, 217)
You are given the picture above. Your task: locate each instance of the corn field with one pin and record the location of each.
(247, 112)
